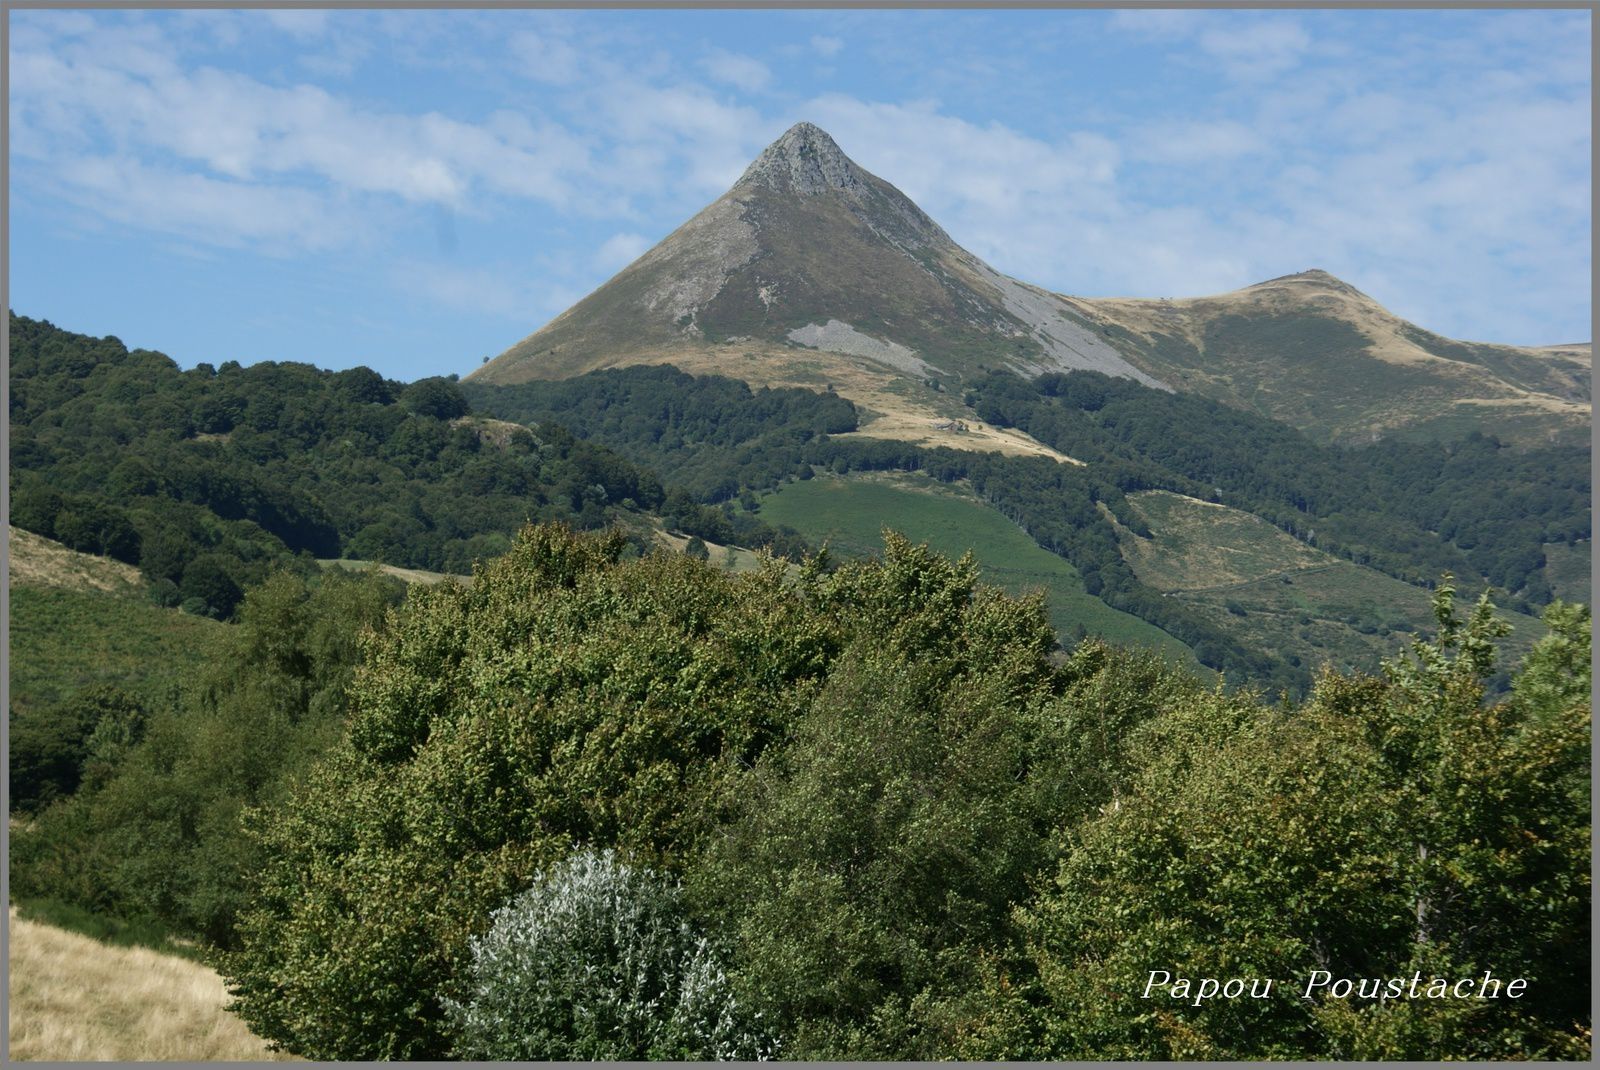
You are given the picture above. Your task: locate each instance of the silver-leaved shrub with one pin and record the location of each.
(597, 962)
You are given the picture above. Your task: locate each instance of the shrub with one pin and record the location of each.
(596, 962)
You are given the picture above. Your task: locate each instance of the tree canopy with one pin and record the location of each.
(915, 831)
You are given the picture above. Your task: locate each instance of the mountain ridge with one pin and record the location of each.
(811, 271)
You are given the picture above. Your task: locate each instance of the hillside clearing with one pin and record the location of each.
(64, 640)
(408, 575)
(893, 406)
(733, 558)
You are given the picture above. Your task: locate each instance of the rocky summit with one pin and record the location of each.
(813, 271)
(805, 160)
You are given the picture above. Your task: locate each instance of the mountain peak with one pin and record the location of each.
(804, 160)
(1312, 280)
(1324, 279)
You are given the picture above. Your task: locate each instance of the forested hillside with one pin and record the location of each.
(589, 807)
(211, 478)
(710, 434)
(208, 479)
(1476, 508)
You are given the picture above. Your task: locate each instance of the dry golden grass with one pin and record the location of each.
(39, 562)
(496, 433)
(907, 423)
(1294, 294)
(742, 561)
(76, 999)
(408, 575)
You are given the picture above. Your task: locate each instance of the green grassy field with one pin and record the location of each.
(1272, 592)
(65, 640)
(851, 513)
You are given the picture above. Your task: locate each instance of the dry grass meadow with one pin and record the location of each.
(38, 562)
(75, 999)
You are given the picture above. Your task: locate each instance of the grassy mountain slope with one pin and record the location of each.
(851, 513)
(1272, 591)
(78, 620)
(810, 271)
(1317, 353)
(813, 272)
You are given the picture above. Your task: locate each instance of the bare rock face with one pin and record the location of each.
(807, 163)
(837, 337)
(804, 160)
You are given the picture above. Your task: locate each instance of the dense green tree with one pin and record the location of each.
(437, 397)
(711, 435)
(51, 746)
(207, 580)
(565, 698)
(1392, 826)
(1556, 673)
(118, 452)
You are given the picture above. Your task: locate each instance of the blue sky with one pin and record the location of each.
(414, 190)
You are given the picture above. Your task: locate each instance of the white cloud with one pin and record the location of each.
(741, 72)
(1159, 23)
(1247, 48)
(1433, 197)
(477, 290)
(503, 291)
(1444, 177)
(620, 250)
(125, 97)
(1202, 141)
(678, 139)
(298, 22)
(1256, 51)
(126, 191)
(957, 166)
(546, 59)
